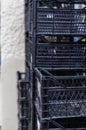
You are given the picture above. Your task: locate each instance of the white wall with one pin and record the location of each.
(0, 101)
(12, 49)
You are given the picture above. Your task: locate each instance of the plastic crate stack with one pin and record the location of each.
(56, 64)
(23, 102)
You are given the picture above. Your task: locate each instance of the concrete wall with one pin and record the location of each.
(12, 49)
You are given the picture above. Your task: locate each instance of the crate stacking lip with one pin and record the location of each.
(60, 124)
(61, 21)
(61, 55)
(66, 1)
(60, 96)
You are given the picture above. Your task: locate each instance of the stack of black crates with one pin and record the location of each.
(56, 64)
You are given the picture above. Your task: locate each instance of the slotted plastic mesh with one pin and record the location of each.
(60, 55)
(67, 102)
(61, 21)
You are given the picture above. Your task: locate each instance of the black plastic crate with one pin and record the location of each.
(23, 101)
(61, 55)
(60, 96)
(61, 21)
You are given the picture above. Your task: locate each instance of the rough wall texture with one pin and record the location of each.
(12, 49)
(12, 28)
